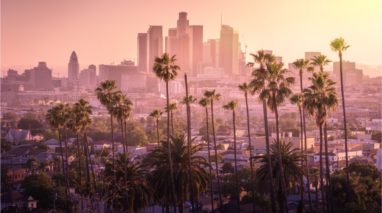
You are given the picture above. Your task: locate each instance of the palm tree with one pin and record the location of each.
(156, 114)
(189, 99)
(172, 107)
(258, 83)
(133, 192)
(276, 91)
(319, 99)
(57, 119)
(212, 96)
(246, 88)
(106, 92)
(291, 159)
(166, 69)
(339, 45)
(204, 102)
(298, 100)
(121, 110)
(232, 106)
(82, 111)
(320, 61)
(157, 162)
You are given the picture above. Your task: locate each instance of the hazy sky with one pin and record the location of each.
(105, 31)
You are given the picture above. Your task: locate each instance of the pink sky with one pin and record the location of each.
(104, 31)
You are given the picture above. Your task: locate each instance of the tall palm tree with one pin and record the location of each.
(246, 88)
(82, 111)
(172, 107)
(232, 106)
(166, 69)
(121, 110)
(106, 92)
(258, 82)
(298, 100)
(204, 102)
(339, 45)
(157, 162)
(56, 117)
(319, 99)
(189, 99)
(156, 114)
(320, 61)
(276, 91)
(291, 159)
(212, 96)
(301, 65)
(133, 192)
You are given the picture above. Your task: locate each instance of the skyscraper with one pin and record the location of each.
(196, 32)
(155, 44)
(40, 77)
(73, 68)
(183, 47)
(142, 52)
(227, 47)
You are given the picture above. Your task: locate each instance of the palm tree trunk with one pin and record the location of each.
(209, 161)
(283, 184)
(306, 145)
(79, 171)
(112, 142)
(235, 158)
(169, 149)
(216, 156)
(302, 160)
(63, 171)
(66, 162)
(273, 201)
(91, 169)
(87, 166)
(123, 136)
(328, 185)
(126, 134)
(189, 144)
(321, 170)
(157, 125)
(250, 153)
(172, 122)
(345, 126)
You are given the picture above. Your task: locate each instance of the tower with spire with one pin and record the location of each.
(73, 68)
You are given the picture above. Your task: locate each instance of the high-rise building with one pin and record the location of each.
(155, 44)
(351, 75)
(183, 45)
(142, 52)
(73, 68)
(40, 77)
(88, 77)
(196, 44)
(210, 53)
(229, 50)
(172, 42)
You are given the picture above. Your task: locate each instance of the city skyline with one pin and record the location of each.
(111, 42)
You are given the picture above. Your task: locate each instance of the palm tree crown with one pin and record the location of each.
(165, 67)
(320, 61)
(339, 45)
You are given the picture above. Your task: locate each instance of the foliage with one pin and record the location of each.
(364, 191)
(377, 136)
(136, 135)
(227, 168)
(33, 124)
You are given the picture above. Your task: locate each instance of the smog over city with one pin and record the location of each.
(191, 106)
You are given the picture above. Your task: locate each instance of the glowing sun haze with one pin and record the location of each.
(105, 31)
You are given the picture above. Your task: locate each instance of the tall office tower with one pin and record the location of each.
(229, 50)
(183, 47)
(142, 52)
(196, 56)
(73, 68)
(310, 55)
(351, 75)
(155, 44)
(210, 53)
(40, 77)
(87, 78)
(172, 42)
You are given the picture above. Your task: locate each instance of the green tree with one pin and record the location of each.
(319, 99)
(156, 114)
(291, 173)
(160, 171)
(204, 102)
(258, 82)
(132, 192)
(339, 45)
(246, 88)
(41, 188)
(136, 134)
(166, 69)
(212, 96)
(232, 106)
(172, 107)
